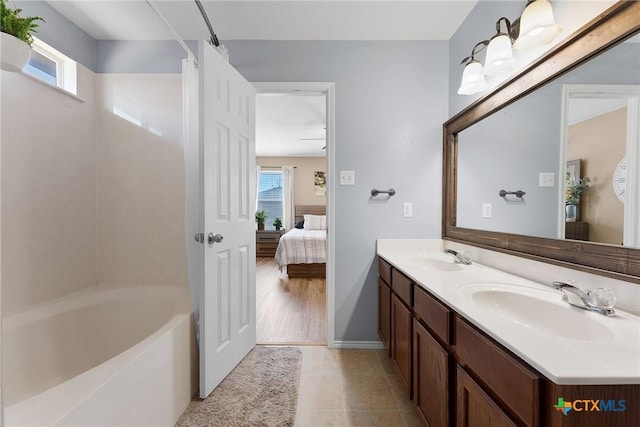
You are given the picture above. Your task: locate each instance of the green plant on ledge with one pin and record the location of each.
(261, 216)
(575, 188)
(13, 24)
(277, 223)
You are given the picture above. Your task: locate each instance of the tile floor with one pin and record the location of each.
(351, 388)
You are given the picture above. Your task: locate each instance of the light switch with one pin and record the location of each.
(407, 209)
(486, 210)
(546, 179)
(347, 178)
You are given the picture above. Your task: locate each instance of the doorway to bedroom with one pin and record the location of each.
(291, 243)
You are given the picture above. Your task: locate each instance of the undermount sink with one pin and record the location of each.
(539, 309)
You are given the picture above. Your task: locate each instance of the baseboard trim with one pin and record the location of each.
(358, 345)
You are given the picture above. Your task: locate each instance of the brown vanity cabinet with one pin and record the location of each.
(384, 304)
(384, 314)
(430, 377)
(431, 360)
(395, 296)
(513, 384)
(401, 326)
(459, 375)
(474, 407)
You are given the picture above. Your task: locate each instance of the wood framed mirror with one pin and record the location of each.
(615, 25)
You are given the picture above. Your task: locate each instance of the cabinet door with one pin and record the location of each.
(401, 337)
(475, 408)
(384, 314)
(430, 377)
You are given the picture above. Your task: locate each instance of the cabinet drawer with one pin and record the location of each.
(384, 271)
(402, 286)
(267, 246)
(512, 382)
(267, 237)
(266, 249)
(432, 313)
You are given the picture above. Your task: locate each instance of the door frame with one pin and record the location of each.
(630, 93)
(328, 90)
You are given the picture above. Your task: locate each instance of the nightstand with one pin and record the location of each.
(267, 242)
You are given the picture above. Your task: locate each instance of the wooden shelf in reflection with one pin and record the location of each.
(577, 230)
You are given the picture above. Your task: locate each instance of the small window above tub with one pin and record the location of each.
(52, 67)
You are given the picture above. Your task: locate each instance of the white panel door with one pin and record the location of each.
(228, 298)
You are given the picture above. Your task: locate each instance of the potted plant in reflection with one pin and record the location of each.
(572, 197)
(277, 223)
(261, 216)
(16, 37)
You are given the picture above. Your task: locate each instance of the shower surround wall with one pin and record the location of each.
(140, 180)
(89, 198)
(48, 190)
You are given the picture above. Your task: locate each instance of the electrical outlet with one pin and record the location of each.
(546, 179)
(486, 210)
(407, 209)
(347, 178)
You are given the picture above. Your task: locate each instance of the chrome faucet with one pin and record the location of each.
(600, 301)
(462, 257)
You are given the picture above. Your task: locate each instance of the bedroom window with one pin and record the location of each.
(270, 196)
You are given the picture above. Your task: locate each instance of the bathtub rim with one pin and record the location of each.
(54, 404)
(59, 401)
(93, 295)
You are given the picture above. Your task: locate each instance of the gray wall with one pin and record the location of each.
(141, 56)
(61, 33)
(391, 101)
(478, 26)
(105, 56)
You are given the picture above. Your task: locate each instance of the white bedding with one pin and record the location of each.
(302, 247)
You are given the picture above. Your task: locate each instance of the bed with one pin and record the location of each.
(303, 252)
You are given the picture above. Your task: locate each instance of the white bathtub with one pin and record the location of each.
(117, 357)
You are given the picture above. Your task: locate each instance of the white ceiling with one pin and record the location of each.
(290, 125)
(269, 20)
(581, 109)
(282, 122)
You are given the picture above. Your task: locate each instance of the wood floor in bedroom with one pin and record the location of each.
(289, 311)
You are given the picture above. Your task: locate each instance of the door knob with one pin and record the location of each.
(199, 237)
(214, 238)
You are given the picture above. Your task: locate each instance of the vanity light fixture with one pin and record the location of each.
(537, 26)
(473, 77)
(500, 58)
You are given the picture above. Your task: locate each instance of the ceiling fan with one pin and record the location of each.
(324, 138)
(314, 139)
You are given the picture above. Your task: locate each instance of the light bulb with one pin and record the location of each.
(472, 79)
(537, 26)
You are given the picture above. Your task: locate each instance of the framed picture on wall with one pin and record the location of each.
(572, 199)
(320, 183)
(573, 171)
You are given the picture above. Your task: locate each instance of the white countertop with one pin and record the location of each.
(556, 349)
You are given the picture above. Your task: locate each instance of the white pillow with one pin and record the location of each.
(315, 222)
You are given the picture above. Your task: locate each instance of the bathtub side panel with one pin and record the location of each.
(153, 390)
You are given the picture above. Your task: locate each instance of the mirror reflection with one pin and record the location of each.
(571, 147)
